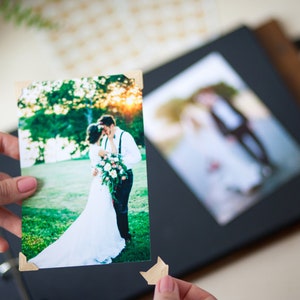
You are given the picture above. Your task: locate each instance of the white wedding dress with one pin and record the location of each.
(93, 238)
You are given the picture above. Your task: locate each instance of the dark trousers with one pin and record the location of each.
(251, 144)
(121, 205)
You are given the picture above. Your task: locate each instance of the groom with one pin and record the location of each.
(130, 154)
(232, 122)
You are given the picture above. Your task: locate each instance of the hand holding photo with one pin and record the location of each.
(84, 139)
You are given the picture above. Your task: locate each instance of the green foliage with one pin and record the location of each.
(172, 110)
(66, 108)
(225, 90)
(13, 10)
(135, 126)
(41, 126)
(221, 88)
(62, 96)
(73, 125)
(106, 84)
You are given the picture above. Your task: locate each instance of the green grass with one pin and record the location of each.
(43, 226)
(63, 195)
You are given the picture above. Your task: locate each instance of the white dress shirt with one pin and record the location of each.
(130, 152)
(228, 116)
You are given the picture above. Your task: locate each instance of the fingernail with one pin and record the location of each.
(166, 285)
(26, 184)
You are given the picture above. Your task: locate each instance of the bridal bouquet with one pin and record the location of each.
(112, 171)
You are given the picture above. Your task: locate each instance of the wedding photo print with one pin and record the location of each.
(83, 139)
(220, 138)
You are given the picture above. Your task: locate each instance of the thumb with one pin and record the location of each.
(16, 189)
(166, 288)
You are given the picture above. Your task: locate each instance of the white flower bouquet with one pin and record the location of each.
(112, 171)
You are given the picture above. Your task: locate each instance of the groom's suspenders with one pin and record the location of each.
(120, 143)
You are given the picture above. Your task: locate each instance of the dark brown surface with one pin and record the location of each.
(282, 52)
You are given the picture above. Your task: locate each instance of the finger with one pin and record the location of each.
(9, 145)
(189, 291)
(166, 289)
(10, 222)
(3, 245)
(4, 176)
(16, 189)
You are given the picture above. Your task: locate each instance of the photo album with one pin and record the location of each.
(170, 170)
(83, 138)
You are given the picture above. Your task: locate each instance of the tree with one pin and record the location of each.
(59, 108)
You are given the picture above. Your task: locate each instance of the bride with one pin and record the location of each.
(94, 237)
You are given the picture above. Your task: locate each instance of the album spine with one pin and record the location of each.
(283, 54)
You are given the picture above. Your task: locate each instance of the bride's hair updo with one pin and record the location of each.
(93, 133)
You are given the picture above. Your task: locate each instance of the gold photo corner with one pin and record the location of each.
(19, 86)
(24, 265)
(156, 272)
(137, 75)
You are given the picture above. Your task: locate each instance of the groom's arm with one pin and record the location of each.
(131, 153)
